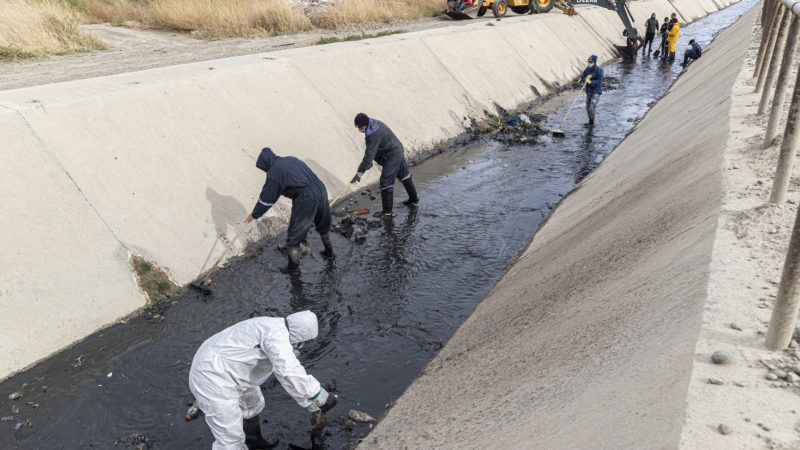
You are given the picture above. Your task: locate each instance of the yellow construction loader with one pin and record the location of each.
(461, 10)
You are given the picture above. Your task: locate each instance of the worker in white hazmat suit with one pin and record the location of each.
(229, 368)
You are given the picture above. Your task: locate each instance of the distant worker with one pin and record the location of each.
(673, 31)
(650, 33)
(663, 45)
(290, 177)
(693, 52)
(229, 368)
(384, 148)
(592, 77)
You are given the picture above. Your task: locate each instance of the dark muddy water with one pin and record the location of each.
(386, 305)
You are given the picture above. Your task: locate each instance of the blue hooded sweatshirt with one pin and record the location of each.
(596, 86)
(286, 175)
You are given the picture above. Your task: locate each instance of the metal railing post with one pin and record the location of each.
(783, 82)
(784, 315)
(770, 48)
(774, 63)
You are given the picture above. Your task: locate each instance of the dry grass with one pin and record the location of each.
(209, 18)
(249, 18)
(343, 12)
(30, 28)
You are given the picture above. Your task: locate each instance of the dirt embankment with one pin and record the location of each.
(755, 397)
(589, 340)
(134, 49)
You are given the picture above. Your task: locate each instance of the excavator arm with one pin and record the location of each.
(624, 13)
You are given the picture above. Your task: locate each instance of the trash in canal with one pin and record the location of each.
(193, 412)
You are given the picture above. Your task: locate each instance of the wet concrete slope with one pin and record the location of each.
(159, 163)
(588, 340)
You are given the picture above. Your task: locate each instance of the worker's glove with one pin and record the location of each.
(323, 402)
(356, 178)
(588, 80)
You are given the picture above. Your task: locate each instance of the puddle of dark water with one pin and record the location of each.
(386, 305)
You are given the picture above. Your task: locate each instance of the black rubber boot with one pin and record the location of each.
(293, 255)
(326, 242)
(252, 435)
(387, 200)
(412, 192)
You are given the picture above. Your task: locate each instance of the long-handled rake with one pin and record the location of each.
(559, 132)
(200, 286)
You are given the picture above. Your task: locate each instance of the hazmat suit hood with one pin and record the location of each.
(302, 326)
(266, 159)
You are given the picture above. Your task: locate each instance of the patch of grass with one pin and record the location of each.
(357, 37)
(13, 54)
(492, 122)
(489, 24)
(152, 280)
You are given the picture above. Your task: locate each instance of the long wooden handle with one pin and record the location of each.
(223, 254)
(571, 106)
(340, 194)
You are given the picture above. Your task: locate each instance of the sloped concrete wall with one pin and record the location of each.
(587, 342)
(161, 162)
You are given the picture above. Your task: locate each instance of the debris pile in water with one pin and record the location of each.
(520, 129)
(355, 226)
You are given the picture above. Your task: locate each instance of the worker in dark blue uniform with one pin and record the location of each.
(384, 148)
(592, 76)
(290, 177)
(693, 52)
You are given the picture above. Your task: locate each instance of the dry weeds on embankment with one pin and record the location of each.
(41, 28)
(45, 27)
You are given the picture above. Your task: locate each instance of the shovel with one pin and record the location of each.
(559, 132)
(201, 285)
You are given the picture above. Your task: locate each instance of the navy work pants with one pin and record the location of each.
(396, 167)
(310, 208)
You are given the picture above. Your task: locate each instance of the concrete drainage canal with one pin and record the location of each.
(386, 304)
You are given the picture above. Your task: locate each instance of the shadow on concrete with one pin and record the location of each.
(227, 213)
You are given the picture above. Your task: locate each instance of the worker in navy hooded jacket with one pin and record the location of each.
(592, 77)
(290, 177)
(384, 148)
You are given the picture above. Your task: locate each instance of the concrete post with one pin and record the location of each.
(766, 26)
(773, 68)
(773, 37)
(783, 82)
(791, 137)
(784, 316)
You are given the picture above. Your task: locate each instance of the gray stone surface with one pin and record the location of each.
(721, 357)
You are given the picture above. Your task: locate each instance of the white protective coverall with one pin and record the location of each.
(229, 368)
